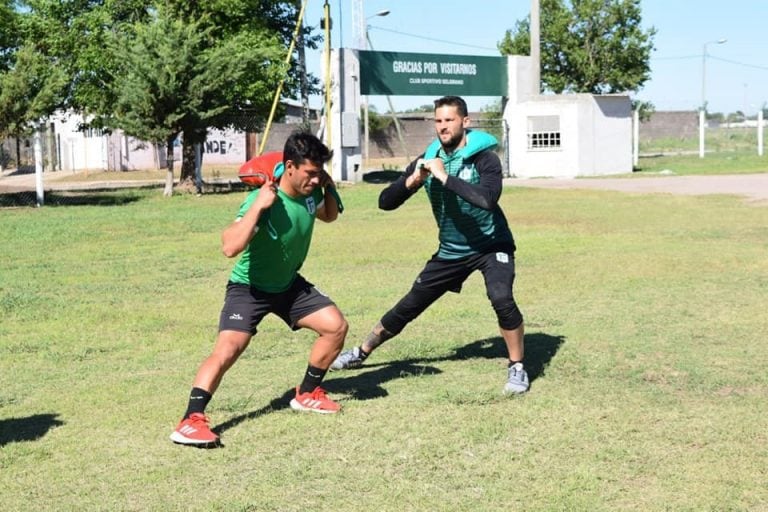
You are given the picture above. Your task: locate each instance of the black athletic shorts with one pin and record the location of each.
(245, 306)
(497, 266)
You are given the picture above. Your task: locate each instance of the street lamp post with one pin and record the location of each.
(703, 108)
(535, 32)
(366, 134)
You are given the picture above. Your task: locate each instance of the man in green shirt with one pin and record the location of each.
(463, 180)
(272, 233)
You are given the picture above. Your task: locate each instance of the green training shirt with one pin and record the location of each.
(464, 228)
(280, 245)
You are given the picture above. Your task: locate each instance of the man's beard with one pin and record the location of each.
(453, 142)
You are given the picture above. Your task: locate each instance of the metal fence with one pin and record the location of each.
(725, 138)
(61, 184)
(389, 149)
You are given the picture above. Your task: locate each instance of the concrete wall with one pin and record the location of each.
(417, 132)
(670, 124)
(595, 136)
(559, 162)
(610, 145)
(594, 128)
(95, 150)
(79, 150)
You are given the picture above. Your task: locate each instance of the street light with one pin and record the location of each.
(703, 109)
(704, 71)
(383, 12)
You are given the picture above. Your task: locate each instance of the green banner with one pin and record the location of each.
(429, 74)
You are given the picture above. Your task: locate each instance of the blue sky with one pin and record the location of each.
(736, 71)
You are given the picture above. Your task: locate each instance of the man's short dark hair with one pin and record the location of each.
(453, 101)
(302, 146)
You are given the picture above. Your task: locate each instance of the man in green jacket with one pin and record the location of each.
(462, 177)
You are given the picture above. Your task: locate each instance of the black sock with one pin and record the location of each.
(363, 354)
(198, 401)
(312, 379)
(513, 363)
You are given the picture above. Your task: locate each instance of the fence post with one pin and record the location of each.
(198, 167)
(39, 167)
(635, 137)
(760, 132)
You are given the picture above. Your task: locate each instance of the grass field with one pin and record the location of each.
(646, 324)
(716, 140)
(715, 163)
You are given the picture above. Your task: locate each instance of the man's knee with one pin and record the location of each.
(408, 309)
(336, 328)
(229, 346)
(508, 314)
(341, 330)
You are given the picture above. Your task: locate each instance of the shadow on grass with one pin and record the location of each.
(32, 428)
(58, 199)
(108, 196)
(363, 386)
(540, 349)
(381, 176)
(23, 169)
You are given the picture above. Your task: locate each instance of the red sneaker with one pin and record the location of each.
(194, 431)
(315, 401)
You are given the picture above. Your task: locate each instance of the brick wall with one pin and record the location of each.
(418, 131)
(670, 124)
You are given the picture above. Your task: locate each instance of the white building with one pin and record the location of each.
(571, 135)
(565, 135)
(93, 149)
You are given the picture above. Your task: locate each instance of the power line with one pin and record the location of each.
(444, 41)
(681, 57)
(729, 61)
(433, 39)
(739, 63)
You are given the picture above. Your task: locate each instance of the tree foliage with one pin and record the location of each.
(157, 68)
(589, 46)
(173, 79)
(378, 124)
(219, 63)
(29, 92)
(9, 33)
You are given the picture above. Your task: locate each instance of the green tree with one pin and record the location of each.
(263, 40)
(491, 120)
(588, 46)
(73, 36)
(717, 117)
(29, 91)
(236, 45)
(171, 80)
(423, 108)
(645, 109)
(377, 123)
(30, 83)
(9, 33)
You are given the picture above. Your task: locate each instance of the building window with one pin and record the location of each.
(90, 132)
(543, 133)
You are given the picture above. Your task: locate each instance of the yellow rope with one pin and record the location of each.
(282, 82)
(327, 13)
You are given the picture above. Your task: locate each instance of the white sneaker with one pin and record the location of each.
(517, 380)
(347, 359)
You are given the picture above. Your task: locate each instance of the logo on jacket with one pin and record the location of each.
(466, 173)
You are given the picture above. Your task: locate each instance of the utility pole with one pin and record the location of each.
(535, 48)
(703, 109)
(303, 82)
